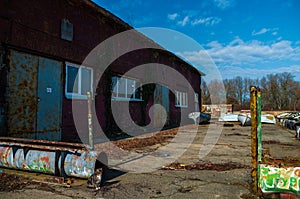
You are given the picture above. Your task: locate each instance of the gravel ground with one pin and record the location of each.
(223, 173)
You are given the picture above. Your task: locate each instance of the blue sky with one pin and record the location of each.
(245, 38)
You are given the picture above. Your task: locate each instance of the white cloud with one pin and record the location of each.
(233, 71)
(262, 31)
(184, 21)
(194, 20)
(173, 16)
(223, 4)
(251, 57)
(238, 51)
(208, 21)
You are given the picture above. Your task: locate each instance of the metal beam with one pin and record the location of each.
(253, 109)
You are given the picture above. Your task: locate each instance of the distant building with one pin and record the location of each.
(43, 44)
(216, 109)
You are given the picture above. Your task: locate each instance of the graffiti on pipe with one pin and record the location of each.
(46, 160)
(275, 179)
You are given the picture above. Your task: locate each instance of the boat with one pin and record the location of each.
(245, 119)
(200, 117)
(268, 119)
(205, 117)
(229, 117)
(298, 130)
(289, 119)
(289, 115)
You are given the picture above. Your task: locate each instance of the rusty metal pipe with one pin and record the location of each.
(90, 119)
(42, 142)
(42, 147)
(32, 155)
(253, 108)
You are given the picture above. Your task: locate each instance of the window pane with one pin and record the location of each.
(72, 79)
(196, 97)
(186, 99)
(86, 78)
(114, 87)
(122, 87)
(130, 88)
(177, 98)
(183, 99)
(138, 92)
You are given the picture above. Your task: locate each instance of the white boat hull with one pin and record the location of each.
(268, 119)
(199, 117)
(229, 117)
(245, 119)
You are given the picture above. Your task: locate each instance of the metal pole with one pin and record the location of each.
(90, 124)
(259, 133)
(253, 109)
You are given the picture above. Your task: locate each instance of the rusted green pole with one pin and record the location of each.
(253, 109)
(259, 135)
(90, 124)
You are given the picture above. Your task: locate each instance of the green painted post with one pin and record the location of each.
(259, 134)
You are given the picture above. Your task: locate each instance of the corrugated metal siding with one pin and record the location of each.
(3, 85)
(22, 95)
(34, 97)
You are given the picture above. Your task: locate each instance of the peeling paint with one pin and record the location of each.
(275, 179)
(73, 161)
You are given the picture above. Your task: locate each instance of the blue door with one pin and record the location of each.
(49, 100)
(161, 96)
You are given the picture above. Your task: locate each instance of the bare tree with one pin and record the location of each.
(205, 93)
(217, 92)
(279, 91)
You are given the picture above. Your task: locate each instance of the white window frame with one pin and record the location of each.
(179, 99)
(126, 98)
(78, 95)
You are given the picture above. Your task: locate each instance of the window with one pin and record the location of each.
(196, 98)
(181, 99)
(79, 80)
(125, 89)
(66, 29)
(196, 102)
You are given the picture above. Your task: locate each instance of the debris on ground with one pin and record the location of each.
(206, 166)
(283, 162)
(11, 182)
(156, 138)
(143, 141)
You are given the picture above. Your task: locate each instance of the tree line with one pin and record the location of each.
(279, 92)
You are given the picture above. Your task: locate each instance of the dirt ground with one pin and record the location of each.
(224, 173)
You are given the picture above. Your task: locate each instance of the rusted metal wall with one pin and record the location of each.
(22, 95)
(34, 97)
(3, 86)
